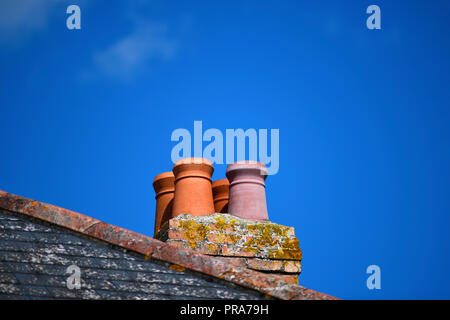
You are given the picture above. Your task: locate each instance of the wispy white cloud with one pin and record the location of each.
(123, 58)
(20, 18)
(128, 55)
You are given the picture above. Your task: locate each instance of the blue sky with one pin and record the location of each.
(363, 116)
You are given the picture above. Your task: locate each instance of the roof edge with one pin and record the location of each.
(270, 285)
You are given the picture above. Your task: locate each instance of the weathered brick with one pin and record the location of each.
(292, 267)
(201, 247)
(284, 266)
(286, 254)
(222, 238)
(176, 234)
(291, 279)
(236, 251)
(264, 264)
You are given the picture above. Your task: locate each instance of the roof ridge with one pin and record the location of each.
(271, 285)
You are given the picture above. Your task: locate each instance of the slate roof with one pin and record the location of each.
(34, 259)
(38, 242)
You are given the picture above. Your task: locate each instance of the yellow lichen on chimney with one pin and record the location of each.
(194, 232)
(257, 245)
(262, 238)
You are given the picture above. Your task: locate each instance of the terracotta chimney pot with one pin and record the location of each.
(193, 191)
(247, 190)
(221, 194)
(164, 185)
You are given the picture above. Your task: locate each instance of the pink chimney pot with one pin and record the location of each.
(193, 191)
(164, 189)
(247, 190)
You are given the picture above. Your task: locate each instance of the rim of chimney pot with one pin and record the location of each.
(164, 183)
(252, 168)
(193, 167)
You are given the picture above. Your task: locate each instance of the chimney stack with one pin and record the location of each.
(244, 235)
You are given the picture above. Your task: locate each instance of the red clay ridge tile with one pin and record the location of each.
(270, 285)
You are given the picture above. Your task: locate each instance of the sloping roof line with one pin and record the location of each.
(271, 285)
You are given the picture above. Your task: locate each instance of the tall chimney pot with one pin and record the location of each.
(164, 185)
(247, 190)
(193, 190)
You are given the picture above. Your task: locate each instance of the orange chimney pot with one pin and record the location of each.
(193, 190)
(221, 192)
(164, 185)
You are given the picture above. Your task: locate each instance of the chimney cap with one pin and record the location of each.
(194, 160)
(220, 183)
(163, 183)
(247, 165)
(164, 175)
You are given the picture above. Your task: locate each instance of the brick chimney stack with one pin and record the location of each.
(258, 245)
(245, 237)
